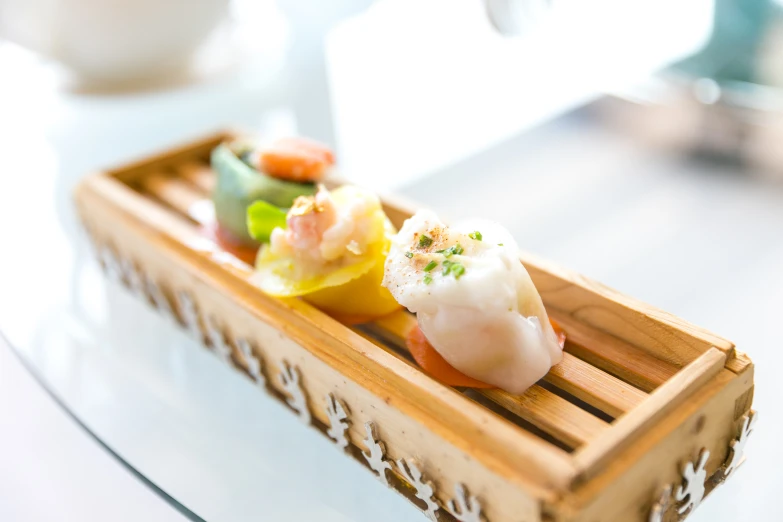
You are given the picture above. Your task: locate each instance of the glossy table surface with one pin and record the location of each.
(702, 241)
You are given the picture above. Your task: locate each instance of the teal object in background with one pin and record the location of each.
(740, 27)
(239, 185)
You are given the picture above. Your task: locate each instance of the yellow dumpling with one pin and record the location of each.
(332, 254)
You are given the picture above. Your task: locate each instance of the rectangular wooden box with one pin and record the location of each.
(608, 435)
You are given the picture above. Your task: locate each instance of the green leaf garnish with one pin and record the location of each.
(263, 218)
(425, 241)
(430, 266)
(500, 244)
(427, 279)
(409, 255)
(476, 235)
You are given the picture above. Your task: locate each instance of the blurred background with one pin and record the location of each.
(639, 142)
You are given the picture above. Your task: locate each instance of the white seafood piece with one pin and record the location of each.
(486, 318)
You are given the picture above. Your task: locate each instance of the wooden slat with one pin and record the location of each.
(595, 387)
(180, 196)
(199, 174)
(596, 455)
(587, 383)
(614, 355)
(552, 414)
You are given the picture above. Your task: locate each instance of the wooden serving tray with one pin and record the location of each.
(645, 415)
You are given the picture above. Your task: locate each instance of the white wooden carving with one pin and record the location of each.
(660, 507)
(159, 299)
(466, 508)
(425, 491)
(694, 488)
(737, 449)
(337, 413)
(290, 379)
(376, 457)
(217, 340)
(251, 361)
(189, 314)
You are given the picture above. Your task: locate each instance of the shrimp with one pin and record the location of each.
(322, 231)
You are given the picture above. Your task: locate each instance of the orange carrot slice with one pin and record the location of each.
(438, 368)
(296, 159)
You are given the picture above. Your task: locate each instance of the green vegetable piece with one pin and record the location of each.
(430, 266)
(427, 279)
(454, 268)
(262, 219)
(238, 185)
(425, 241)
(476, 235)
(409, 255)
(452, 250)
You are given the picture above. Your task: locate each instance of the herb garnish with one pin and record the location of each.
(452, 250)
(476, 235)
(427, 279)
(453, 267)
(409, 255)
(430, 266)
(500, 244)
(425, 241)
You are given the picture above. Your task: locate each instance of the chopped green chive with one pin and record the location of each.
(425, 241)
(430, 266)
(409, 255)
(452, 267)
(476, 235)
(500, 244)
(452, 250)
(427, 279)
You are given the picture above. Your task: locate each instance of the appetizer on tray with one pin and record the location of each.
(330, 249)
(430, 352)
